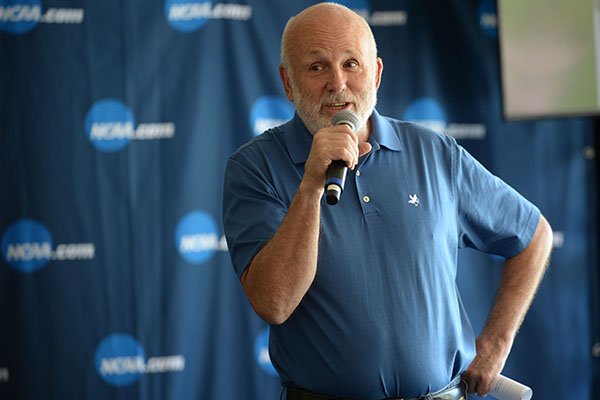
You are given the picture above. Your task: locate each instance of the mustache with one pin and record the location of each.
(338, 98)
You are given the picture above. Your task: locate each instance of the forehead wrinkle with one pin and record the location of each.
(317, 42)
(317, 52)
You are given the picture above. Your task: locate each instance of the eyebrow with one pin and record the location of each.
(318, 52)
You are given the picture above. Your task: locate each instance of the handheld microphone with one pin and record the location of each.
(336, 173)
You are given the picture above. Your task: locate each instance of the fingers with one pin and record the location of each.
(331, 144)
(347, 141)
(487, 364)
(478, 382)
(337, 143)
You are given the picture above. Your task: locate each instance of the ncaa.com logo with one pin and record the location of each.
(261, 352)
(196, 237)
(487, 11)
(120, 360)
(191, 15)
(377, 18)
(110, 125)
(21, 16)
(268, 112)
(27, 245)
(428, 112)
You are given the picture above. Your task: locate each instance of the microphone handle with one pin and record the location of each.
(334, 185)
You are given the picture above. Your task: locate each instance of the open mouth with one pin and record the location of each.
(338, 106)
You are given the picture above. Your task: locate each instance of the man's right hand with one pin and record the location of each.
(329, 144)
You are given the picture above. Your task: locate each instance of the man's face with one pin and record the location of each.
(331, 70)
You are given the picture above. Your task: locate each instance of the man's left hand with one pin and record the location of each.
(487, 364)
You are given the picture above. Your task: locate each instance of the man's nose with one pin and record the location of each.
(337, 80)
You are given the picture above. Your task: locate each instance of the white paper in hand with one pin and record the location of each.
(504, 388)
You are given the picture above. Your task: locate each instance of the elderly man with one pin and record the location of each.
(361, 296)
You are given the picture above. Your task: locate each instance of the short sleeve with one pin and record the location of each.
(252, 211)
(493, 217)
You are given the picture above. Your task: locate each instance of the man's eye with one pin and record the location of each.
(316, 67)
(351, 64)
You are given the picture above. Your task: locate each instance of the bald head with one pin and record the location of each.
(319, 18)
(329, 63)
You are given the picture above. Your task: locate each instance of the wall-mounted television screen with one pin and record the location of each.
(549, 52)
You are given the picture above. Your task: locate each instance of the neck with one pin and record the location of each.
(365, 132)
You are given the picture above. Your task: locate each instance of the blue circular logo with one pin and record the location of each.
(261, 352)
(487, 11)
(428, 112)
(19, 16)
(120, 359)
(196, 237)
(110, 125)
(27, 245)
(187, 15)
(268, 112)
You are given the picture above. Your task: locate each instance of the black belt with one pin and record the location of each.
(454, 391)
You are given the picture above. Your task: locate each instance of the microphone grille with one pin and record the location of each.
(346, 117)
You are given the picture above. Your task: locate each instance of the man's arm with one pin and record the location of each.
(283, 270)
(520, 279)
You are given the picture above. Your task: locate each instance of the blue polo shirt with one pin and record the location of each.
(383, 317)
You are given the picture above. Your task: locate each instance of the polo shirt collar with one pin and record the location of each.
(299, 139)
(382, 133)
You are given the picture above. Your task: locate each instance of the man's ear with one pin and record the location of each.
(285, 79)
(379, 72)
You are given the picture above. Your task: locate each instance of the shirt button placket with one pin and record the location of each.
(365, 197)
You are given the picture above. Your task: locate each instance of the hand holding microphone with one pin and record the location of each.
(337, 171)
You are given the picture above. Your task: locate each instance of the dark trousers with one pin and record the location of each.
(456, 390)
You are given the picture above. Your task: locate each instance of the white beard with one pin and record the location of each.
(309, 108)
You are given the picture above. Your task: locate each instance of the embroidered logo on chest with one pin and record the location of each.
(413, 199)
